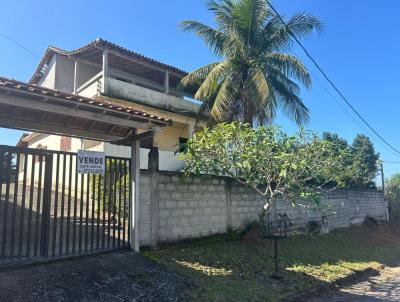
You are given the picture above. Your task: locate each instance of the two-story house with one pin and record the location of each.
(102, 70)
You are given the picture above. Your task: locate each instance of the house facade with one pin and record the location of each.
(114, 75)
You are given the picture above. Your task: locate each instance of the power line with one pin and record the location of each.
(19, 45)
(341, 106)
(331, 82)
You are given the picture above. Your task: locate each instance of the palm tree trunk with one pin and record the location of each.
(248, 117)
(248, 111)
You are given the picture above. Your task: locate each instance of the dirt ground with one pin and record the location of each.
(118, 276)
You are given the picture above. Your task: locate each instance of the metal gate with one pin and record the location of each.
(47, 210)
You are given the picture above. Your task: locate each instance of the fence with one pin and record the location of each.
(173, 207)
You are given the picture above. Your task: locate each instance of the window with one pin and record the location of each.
(65, 143)
(183, 145)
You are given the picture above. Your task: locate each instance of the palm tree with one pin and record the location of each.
(254, 77)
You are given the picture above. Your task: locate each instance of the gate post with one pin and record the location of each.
(44, 239)
(154, 195)
(135, 202)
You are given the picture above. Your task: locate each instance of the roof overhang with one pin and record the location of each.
(119, 58)
(28, 107)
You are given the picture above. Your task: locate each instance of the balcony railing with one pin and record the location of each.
(153, 96)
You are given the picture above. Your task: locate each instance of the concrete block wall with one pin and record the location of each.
(145, 220)
(246, 205)
(190, 207)
(341, 208)
(174, 207)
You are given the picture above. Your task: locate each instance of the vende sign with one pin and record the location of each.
(90, 162)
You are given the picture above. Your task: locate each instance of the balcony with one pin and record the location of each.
(151, 95)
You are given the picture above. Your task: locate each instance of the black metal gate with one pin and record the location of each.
(47, 210)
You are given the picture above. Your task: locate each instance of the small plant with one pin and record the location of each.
(370, 221)
(252, 232)
(314, 227)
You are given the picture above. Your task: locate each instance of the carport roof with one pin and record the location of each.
(30, 107)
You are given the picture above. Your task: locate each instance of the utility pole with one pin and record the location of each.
(383, 190)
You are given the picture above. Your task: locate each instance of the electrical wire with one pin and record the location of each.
(19, 45)
(331, 82)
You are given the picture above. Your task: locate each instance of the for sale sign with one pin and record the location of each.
(90, 162)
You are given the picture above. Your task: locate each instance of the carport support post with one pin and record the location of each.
(154, 195)
(135, 202)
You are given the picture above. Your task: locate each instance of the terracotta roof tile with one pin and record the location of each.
(100, 43)
(17, 85)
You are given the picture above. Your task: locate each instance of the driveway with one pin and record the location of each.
(118, 276)
(384, 287)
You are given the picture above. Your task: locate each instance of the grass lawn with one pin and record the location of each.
(222, 268)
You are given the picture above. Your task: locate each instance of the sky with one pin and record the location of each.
(358, 49)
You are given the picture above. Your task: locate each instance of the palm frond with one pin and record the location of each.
(213, 38)
(303, 24)
(290, 102)
(267, 114)
(291, 66)
(226, 96)
(195, 78)
(250, 17)
(223, 13)
(277, 36)
(257, 88)
(215, 76)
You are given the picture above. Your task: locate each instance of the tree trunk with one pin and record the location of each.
(248, 112)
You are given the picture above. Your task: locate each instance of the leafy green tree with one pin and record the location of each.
(336, 139)
(392, 194)
(361, 163)
(267, 160)
(255, 76)
(341, 144)
(365, 162)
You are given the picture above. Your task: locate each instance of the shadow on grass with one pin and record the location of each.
(225, 269)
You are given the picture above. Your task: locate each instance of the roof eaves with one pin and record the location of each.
(47, 92)
(101, 43)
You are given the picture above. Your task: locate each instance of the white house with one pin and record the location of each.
(107, 72)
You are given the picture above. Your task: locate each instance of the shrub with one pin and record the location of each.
(392, 194)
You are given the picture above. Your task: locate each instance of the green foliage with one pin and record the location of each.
(392, 194)
(267, 160)
(254, 76)
(365, 162)
(114, 192)
(361, 162)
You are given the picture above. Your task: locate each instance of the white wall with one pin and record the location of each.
(61, 71)
(52, 142)
(49, 78)
(65, 69)
(86, 72)
(168, 161)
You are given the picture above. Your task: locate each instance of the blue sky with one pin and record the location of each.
(358, 48)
